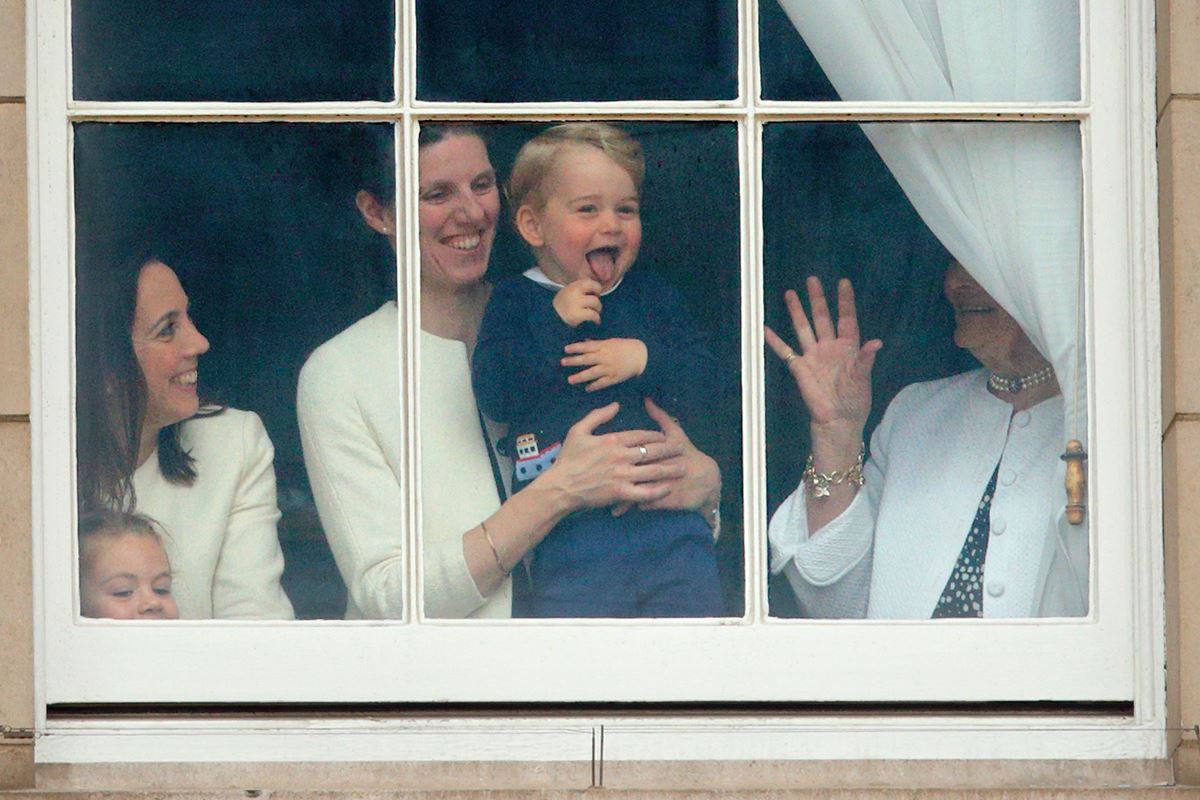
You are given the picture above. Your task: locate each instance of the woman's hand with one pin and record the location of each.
(606, 362)
(623, 467)
(627, 467)
(833, 370)
(699, 488)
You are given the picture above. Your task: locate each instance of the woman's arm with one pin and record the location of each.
(830, 573)
(246, 579)
(591, 472)
(833, 373)
(356, 491)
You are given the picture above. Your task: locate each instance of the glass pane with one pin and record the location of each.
(962, 502)
(914, 50)
(302, 50)
(639, 283)
(256, 227)
(545, 51)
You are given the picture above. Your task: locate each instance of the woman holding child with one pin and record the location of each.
(146, 443)
(474, 533)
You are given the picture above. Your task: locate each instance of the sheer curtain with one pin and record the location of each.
(1004, 198)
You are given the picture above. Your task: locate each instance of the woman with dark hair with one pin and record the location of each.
(147, 443)
(472, 537)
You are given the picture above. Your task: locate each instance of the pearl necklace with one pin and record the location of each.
(1019, 384)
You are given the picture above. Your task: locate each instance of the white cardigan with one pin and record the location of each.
(221, 536)
(349, 410)
(889, 554)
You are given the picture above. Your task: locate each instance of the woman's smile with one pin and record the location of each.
(459, 206)
(463, 242)
(167, 346)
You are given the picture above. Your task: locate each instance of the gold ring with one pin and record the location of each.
(790, 357)
(642, 450)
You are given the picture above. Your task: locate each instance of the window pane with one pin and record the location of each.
(302, 50)
(545, 50)
(1004, 201)
(258, 225)
(909, 50)
(670, 313)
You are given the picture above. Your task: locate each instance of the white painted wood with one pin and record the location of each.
(1115, 654)
(571, 739)
(866, 111)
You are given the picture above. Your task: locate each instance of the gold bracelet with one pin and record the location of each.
(495, 552)
(819, 482)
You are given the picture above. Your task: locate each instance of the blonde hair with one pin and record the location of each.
(536, 158)
(109, 524)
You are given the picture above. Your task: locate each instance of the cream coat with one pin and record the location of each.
(890, 553)
(349, 410)
(221, 536)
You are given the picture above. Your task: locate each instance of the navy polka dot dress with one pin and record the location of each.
(963, 595)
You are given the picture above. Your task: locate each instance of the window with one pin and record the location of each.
(243, 151)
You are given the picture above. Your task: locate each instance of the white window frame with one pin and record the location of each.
(1120, 644)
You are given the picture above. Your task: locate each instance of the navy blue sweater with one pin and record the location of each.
(518, 378)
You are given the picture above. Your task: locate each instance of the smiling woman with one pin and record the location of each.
(147, 443)
(168, 349)
(954, 463)
(473, 535)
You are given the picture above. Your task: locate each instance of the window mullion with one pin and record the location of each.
(754, 491)
(406, 55)
(408, 301)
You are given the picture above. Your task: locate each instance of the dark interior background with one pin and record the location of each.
(259, 222)
(259, 218)
(248, 50)
(543, 50)
(469, 50)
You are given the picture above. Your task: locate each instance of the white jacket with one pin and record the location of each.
(221, 536)
(889, 554)
(349, 410)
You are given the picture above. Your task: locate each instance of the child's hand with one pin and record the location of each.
(607, 361)
(579, 301)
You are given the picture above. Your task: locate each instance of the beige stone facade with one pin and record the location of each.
(1179, 207)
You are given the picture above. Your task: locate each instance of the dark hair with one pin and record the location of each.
(110, 390)
(373, 152)
(434, 133)
(372, 155)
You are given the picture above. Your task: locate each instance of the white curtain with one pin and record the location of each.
(1004, 198)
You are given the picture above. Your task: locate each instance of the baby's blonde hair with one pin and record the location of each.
(536, 158)
(107, 524)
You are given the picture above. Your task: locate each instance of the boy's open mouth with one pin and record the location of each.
(603, 263)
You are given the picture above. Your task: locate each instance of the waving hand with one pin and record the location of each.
(833, 367)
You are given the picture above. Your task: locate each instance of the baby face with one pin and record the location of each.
(126, 576)
(590, 225)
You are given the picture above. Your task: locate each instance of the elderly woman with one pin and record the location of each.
(349, 408)
(147, 443)
(954, 513)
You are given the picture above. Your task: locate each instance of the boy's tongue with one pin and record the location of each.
(603, 263)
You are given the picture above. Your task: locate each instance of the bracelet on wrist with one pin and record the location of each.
(818, 483)
(495, 553)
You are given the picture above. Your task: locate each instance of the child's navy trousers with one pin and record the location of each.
(641, 564)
